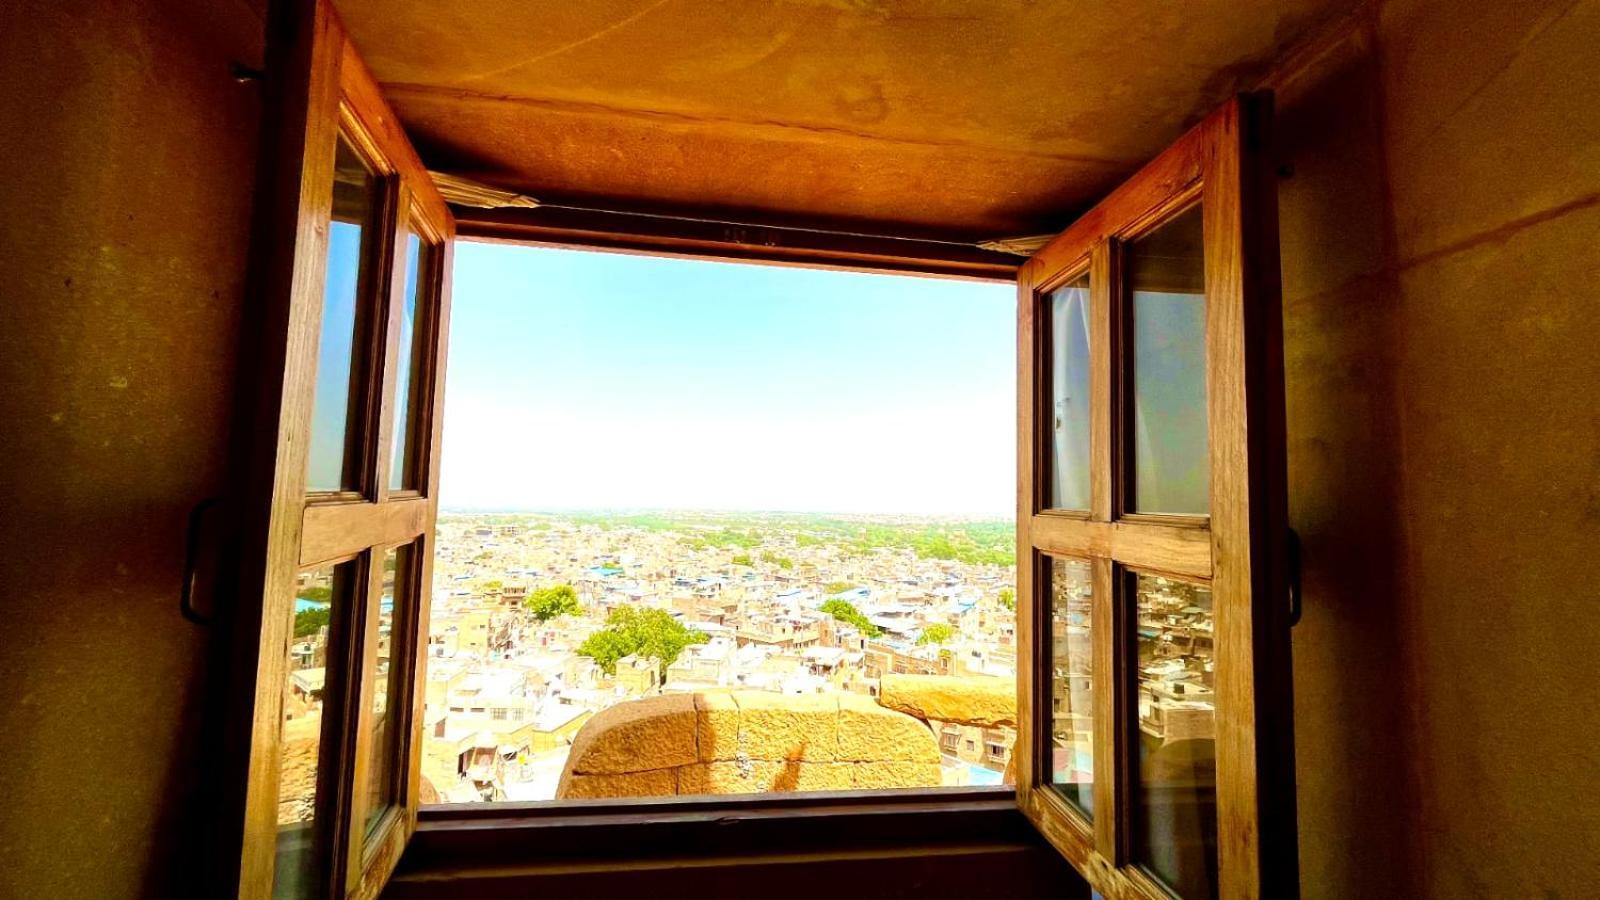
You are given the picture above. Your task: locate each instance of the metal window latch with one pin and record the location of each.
(1296, 597)
(195, 546)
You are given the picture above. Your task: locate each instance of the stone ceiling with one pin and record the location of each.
(970, 118)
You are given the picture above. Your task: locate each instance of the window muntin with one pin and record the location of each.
(335, 462)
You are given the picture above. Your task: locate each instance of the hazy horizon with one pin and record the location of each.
(711, 511)
(587, 382)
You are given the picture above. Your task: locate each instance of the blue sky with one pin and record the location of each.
(585, 380)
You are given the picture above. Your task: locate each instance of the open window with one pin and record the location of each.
(1153, 674)
(1153, 720)
(352, 261)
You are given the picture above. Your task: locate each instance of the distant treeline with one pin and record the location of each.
(973, 542)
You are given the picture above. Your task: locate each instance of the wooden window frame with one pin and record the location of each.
(1211, 161)
(445, 825)
(768, 240)
(1238, 550)
(318, 84)
(318, 87)
(318, 91)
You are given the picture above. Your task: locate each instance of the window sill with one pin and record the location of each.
(607, 833)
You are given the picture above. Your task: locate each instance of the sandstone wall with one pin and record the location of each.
(742, 742)
(984, 702)
(124, 224)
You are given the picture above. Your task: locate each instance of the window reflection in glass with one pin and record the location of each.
(335, 435)
(388, 687)
(1071, 697)
(1165, 271)
(1068, 323)
(321, 597)
(1174, 825)
(403, 468)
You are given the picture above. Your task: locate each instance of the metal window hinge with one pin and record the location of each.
(1296, 597)
(199, 554)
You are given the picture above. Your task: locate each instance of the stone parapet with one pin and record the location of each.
(748, 742)
(982, 701)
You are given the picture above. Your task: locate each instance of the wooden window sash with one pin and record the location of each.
(320, 89)
(1237, 550)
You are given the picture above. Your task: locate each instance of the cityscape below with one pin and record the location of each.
(670, 627)
(541, 621)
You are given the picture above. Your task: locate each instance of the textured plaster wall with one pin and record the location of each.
(1440, 233)
(129, 155)
(1493, 145)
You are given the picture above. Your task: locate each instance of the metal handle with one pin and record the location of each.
(191, 561)
(1296, 598)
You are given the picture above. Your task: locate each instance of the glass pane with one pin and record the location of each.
(1174, 823)
(1068, 312)
(335, 462)
(320, 596)
(384, 764)
(403, 468)
(1166, 273)
(1071, 698)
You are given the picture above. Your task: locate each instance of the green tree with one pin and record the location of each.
(845, 611)
(605, 647)
(838, 587)
(550, 602)
(316, 593)
(743, 559)
(307, 621)
(639, 632)
(1008, 598)
(937, 633)
(493, 584)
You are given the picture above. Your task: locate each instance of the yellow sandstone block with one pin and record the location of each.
(868, 731)
(779, 727)
(895, 775)
(659, 783)
(642, 735)
(717, 724)
(735, 777)
(824, 776)
(978, 700)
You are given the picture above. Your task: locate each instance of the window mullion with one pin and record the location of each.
(1107, 685)
(1027, 749)
(1102, 380)
(389, 304)
(361, 655)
